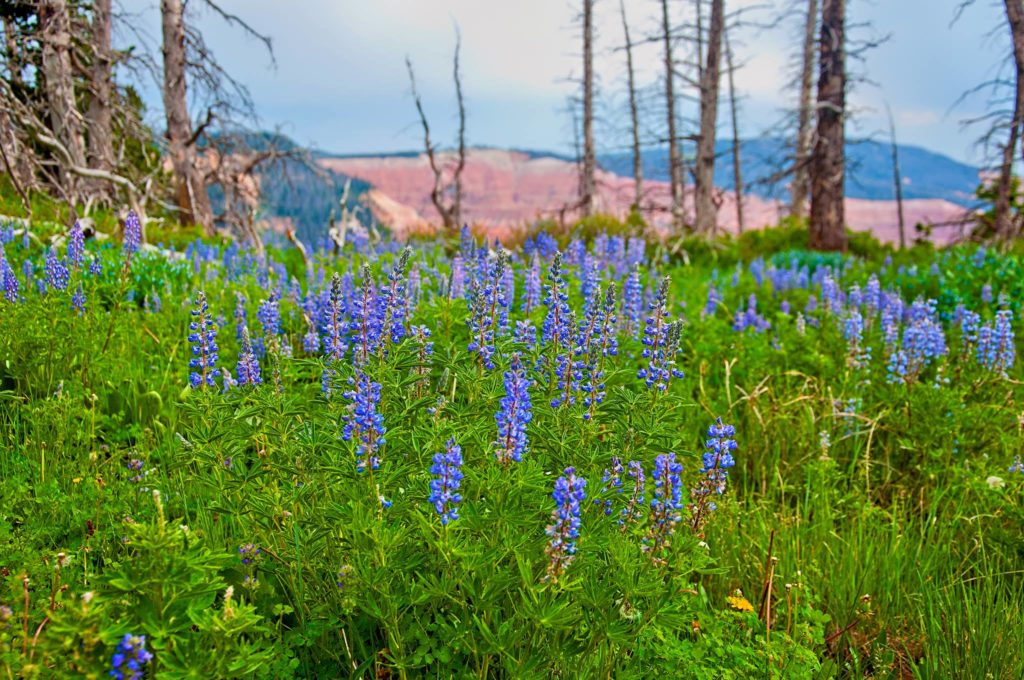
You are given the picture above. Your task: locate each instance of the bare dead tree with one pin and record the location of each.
(827, 226)
(1007, 225)
(737, 167)
(99, 115)
(65, 118)
(460, 161)
(191, 197)
(800, 188)
(710, 76)
(450, 212)
(675, 163)
(634, 112)
(897, 179)
(588, 186)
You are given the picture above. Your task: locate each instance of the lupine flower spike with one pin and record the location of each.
(444, 487)
(564, 529)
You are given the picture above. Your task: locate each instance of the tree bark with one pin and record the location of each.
(634, 114)
(897, 180)
(737, 165)
(1007, 225)
(675, 163)
(65, 119)
(800, 188)
(588, 186)
(827, 226)
(460, 163)
(99, 114)
(709, 87)
(190, 190)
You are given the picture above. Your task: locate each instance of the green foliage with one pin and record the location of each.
(868, 505)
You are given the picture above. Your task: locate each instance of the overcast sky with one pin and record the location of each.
(340, 81)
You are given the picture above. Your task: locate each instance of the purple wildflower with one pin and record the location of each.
(514, 415)
(444, 487)
(564, 529)
(665, 507)
(203, 336)
(363, 423)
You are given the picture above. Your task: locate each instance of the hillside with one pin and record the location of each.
(926, 174)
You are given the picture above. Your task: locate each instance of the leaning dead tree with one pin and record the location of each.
(897, 178)
(190, 191)
(827, 226)
(800, 187)
(709, 74)
(446, 192)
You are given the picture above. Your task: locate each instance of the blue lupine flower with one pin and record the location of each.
(996, 348)
(665, 506)
(590, 282)
(714, 299)
(661, 342)
(858, 355)
(76, 246)
(78, 300)
(525, 333)
(444, 487)
(564, 529)
(57, 273)
(716, 463)
(366, 324)
(362, 423)
(130, 657)
(9, 279)
(249, 553)
(248, 367)
(986, 293)
(393, 303)
(612, 480)
(241, 320)
(1017, 465)
(132, 235)
(95, 267)
(268, 313)
(632, 303)
(532, 289)
(457, 282)
(488, 309)
(135, 469)
(334, 334)
(203, 336)
(750, 318)
(558, 328)
(568, 374)
(514, 415)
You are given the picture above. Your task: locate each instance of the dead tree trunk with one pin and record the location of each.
(1007, 225)
(460, 162)
(710, 76)
(827, 228)
(675, 163)
(99, 114)
(588, 186)
(800, 188)
(897, 179)
(737, 166)
(634, 113)
(65, 119)
(190, 189)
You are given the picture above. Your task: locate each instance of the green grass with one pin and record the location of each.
(892, 553)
